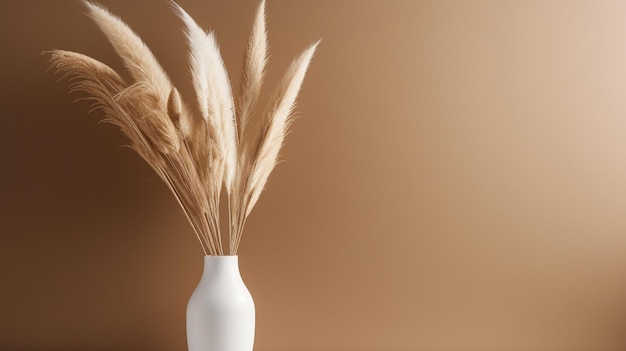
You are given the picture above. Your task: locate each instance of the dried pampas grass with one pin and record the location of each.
(230, 146)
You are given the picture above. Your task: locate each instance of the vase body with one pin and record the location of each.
(220, 312)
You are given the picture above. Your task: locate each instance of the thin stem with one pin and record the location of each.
(230, 228)
(183, 207)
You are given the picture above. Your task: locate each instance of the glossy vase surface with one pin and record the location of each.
(220, 312)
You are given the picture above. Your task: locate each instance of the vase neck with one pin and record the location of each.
(221, 266)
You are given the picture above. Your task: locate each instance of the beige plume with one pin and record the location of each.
(253, 72)
(137, 57)
(263, 150)
(141, 101)
(212, 86)
(153, 140)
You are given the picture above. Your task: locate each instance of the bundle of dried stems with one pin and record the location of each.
(231, 145)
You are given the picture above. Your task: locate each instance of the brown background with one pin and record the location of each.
(456, 181)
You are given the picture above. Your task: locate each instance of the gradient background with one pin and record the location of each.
(456, 181)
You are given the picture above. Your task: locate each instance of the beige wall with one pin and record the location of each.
(456, 181)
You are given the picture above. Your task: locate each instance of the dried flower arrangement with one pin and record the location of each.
(231, 146)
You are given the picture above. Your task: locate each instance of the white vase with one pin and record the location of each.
(220, 312)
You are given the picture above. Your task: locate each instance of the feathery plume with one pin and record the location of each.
(140, 100)
(105, 87)
(100, 82)
(87, 74)
(262, 151)
(137, 57)
(278, 123)
(253, 70)
(212, 86)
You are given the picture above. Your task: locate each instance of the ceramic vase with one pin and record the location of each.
(220, 312)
